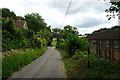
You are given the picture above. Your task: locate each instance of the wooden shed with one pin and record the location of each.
(106, 44)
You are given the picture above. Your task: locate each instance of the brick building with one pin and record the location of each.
(106, 44)
(20, 23)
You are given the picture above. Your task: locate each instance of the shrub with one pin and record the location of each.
(13, 38)
(73, 43)
(77, 67)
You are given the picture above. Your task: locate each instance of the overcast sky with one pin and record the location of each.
(86, 15)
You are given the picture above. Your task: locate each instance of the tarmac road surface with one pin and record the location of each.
(49, 65)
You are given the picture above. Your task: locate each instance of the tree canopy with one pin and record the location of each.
(7, 13)
(35, 22)
(14, 38)
(68, 30)
(114, 28)
(114, 8)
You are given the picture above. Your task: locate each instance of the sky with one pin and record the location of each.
(86, 15)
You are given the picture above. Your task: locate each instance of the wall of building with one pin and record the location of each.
(108, 49)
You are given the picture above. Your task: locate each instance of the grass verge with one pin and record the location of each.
(76, 67)
(19, 58)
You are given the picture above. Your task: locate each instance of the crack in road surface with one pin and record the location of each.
(49, 65)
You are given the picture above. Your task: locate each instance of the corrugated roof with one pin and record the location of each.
(115, 34)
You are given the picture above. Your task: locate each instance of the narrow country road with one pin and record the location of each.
(49, 65)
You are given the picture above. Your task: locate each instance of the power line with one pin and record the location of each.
(66, 13)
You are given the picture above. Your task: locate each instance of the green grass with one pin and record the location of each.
(15, 60)
(76, 67)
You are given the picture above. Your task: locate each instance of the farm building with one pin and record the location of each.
(106, 44)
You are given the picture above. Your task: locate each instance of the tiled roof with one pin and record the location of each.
(19, 23)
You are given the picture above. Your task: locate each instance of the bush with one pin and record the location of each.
(13, 38)
(76, 67)
(73, 43)
(63, 44)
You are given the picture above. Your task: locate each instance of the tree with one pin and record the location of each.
(107, 29)
(35, 22)
(70, 41)
(68, 30)
(114, 8)
(55, 31)
(7, 13)
(47, 34)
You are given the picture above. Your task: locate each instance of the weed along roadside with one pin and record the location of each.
(80, 61)
(17, 59)
(77, 66)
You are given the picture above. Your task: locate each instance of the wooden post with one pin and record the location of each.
(88, 57)
(57, 34)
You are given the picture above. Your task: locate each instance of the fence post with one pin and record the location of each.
(88, 57)
(57, 34)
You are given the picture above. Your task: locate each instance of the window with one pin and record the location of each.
(107, 44)
(100, 44)
(94, 43)
(116, 44)
(119, 17)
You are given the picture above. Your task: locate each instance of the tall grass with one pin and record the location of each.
(17, 59)
(76, 66)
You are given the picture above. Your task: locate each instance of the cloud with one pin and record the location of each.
(86, 15)
(81, 6)
(89, 22)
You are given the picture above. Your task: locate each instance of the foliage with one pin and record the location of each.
(15, 60)
(26, 43)
(0, 22)
(14, 38)
(17, 38)
(76, 43)
(114, 8)
(68, 30)
(54, 42)
(7, 31)
(46, 34)
(70, 41)
(7, 13)
(55, 31)
(115, 28)
(76, 66)
(35, 22)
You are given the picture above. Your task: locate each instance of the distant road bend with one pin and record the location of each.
(49, 65)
